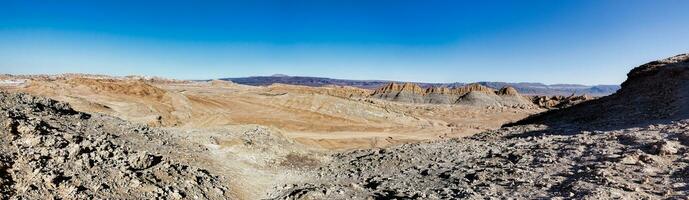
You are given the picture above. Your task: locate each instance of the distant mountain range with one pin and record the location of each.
(523, 88)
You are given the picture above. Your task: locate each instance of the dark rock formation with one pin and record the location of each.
(657, 91)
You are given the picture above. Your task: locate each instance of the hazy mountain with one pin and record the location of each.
(523, 88)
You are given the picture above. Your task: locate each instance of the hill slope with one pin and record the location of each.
(655, 92)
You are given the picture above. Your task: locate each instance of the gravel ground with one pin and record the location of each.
(520, 162)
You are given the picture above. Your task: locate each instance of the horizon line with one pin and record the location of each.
(299, 76)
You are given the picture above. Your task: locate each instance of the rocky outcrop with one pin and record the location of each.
(439, 90)
(472, 95)
(657, 91)
(508, 91)
(556, 102)
(439, 95)
(50, 151)
(511, 98)
(405, 87)
(407, 92)
(476, 98)
(474, 87)
(482, 99)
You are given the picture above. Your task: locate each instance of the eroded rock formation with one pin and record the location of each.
(472, 95)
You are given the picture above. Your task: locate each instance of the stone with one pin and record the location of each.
(142, 160)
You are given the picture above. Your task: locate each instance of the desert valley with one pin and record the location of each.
(95, 136)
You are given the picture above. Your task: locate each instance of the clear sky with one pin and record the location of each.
(577, 41)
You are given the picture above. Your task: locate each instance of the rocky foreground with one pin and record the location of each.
(49, 151)
(523, 162)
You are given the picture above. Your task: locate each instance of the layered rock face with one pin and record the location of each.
(439, 95)
(653, 92)
(407, 92)
(472, 95)
(473, 88)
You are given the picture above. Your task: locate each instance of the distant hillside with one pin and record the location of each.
(308, 81)
(556, 89)
(523, 88)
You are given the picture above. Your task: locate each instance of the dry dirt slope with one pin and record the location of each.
(618, 161)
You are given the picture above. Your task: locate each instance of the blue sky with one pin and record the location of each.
(577, 41)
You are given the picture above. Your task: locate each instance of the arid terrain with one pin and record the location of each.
(629, 145)
(328, 117)
(93, 136)
(265, 136)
